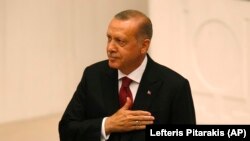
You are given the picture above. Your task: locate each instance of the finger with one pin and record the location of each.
(142, 119)
(145, 118)
(139, 125)
(140, 113)
(128, 104)
(142, 123)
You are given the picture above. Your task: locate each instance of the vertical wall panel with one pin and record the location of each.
(44, 47)
(207, 42)
(37, 42)
(2, 53)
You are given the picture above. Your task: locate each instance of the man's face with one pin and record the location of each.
(125, 51)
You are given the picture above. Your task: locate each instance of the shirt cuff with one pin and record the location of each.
(104, 136)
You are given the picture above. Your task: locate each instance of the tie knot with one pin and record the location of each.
(126, 81)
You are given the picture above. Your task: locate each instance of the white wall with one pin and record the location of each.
(44, 47)
(208, 43)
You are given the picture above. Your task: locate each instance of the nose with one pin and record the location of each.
(111, 47)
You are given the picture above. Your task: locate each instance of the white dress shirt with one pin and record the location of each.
(136, 76)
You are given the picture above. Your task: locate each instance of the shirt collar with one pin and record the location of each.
(135, 75)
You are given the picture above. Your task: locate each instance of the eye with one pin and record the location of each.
(109, 38)
(121, 42)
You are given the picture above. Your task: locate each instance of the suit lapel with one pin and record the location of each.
(148, 88)
(110, 91)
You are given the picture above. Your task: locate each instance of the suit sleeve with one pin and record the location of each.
(74, 125)
(183, 105)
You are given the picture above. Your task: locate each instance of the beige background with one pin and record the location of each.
(46, 44)
(208, 43)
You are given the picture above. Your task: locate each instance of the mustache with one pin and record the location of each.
(112, 54)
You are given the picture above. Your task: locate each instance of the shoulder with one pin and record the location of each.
(168, 72)
(100, 64)
(99, 69)
(165, 73)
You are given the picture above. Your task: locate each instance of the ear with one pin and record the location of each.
(145, 46)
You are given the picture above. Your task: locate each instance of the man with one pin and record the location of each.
(155, 95)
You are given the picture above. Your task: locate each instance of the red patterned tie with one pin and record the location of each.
(125, 91)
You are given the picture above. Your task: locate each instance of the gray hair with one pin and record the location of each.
(145, 28)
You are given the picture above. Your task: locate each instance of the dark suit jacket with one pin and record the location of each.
(170, 102)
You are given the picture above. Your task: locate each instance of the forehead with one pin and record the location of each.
(126, 27)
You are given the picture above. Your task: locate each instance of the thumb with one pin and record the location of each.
(128, 104)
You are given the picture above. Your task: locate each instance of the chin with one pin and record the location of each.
(113, 65)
